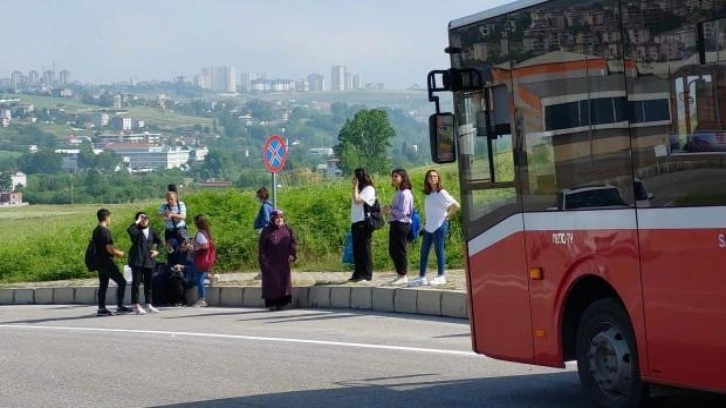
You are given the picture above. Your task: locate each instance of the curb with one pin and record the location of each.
(430, 302)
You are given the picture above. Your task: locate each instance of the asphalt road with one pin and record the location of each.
(64, 356)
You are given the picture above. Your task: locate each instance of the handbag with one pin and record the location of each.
(373, 217)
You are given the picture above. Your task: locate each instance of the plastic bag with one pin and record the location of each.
(348, 249)
(127, 274)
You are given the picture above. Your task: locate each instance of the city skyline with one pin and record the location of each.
(395, 44)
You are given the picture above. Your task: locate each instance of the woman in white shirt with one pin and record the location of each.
(439, 206)
(363, 192)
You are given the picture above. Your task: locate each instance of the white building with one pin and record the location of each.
(121, 123)
(18, 179)
(321, 151)
(101, 119)
(199, 153)
(143, 137)
(145, 157)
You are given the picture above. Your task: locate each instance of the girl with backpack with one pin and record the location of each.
(204, 256)
(439, 206)
(364, 195)
(399, 218)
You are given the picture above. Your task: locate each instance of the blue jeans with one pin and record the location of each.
(437, 238)
(196, 277)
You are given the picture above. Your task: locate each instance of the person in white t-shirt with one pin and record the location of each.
(363, 192)
(439, 206)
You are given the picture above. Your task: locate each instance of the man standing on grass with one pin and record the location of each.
(107, 269)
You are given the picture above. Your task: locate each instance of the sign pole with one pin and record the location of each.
(274, 155)
(274, 191)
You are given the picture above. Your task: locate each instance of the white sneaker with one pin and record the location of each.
(139, 310)
(439, 280)
(400, 280)
(152, 309)
(200, 303)
(418, 282)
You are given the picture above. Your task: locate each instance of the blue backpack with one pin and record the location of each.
(415, 226)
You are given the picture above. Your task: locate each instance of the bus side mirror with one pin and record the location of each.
(441, 135)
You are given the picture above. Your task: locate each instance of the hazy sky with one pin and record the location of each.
(391, 41)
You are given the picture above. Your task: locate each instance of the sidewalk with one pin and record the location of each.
(310, 290)
(455, 280)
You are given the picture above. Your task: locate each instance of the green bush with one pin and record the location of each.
(47, 242)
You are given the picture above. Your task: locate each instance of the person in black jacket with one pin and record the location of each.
(145, 243)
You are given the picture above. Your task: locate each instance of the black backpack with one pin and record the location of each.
(91, 256)
(373, 217)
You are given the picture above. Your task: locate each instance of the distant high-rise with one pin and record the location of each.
(224, 79)
(48, 77)
(316, 82)
(357, 81)
(16, 78)
(246, 80)
(64, 77)
(33, 77)
(204, 80)
(337, 78)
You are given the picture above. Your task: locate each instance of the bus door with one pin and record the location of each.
(679, 139)
(493, 226)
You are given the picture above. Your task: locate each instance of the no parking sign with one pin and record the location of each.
(274, 154)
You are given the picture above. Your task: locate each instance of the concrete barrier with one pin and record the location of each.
(432, 302)
(24, 296)
(7, 296)
(43, 296)
(454, 304)
(382, 299)
(300, 297)
(405, 301)
(361, 298)
(428, 302)
(252, 297)
(340, 297)
(64, 296)
(229, 297)
(87, 296)
(319, 296)
(214, 296)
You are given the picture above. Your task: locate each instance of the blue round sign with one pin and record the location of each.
(274, 154)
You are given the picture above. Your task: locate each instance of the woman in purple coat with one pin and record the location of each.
(278, 248)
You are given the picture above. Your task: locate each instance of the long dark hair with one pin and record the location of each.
(427, 186)
(405, 181)
(364, 179)
(202, 223)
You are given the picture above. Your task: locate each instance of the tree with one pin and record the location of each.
(218, 163)
(44, 161)
(6, 181)
(363, 142)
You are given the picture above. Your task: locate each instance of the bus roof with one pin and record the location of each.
(493, 12)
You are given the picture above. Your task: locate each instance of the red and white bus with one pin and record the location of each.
(591, 143)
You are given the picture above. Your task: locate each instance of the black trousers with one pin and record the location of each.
(108, 270)
(362, 256)
(397, 248)
(139, 275)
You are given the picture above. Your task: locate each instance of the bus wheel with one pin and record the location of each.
(607, 356)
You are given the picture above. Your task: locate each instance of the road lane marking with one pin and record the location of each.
(252, 338)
